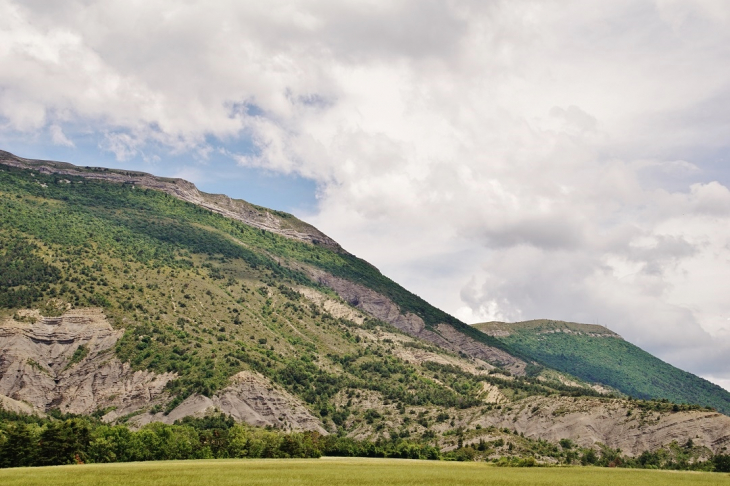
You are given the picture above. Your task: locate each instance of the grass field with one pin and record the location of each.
(344, 471)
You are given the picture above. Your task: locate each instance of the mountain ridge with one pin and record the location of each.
(501, 328)
(235, 314)
(259, 217)
(281, 223)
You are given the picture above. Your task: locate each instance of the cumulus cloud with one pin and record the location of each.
(505, 160)
(58, 137)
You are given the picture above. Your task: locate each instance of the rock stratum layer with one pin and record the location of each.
(444, 335)
(68, 363)
(256, 216)
(615, 423)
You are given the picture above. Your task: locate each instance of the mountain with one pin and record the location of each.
(137, 299)
(598, 355)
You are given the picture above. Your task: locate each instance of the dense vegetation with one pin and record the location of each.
(613, 362)
(22, 274)
(29, 441)
(33, 441)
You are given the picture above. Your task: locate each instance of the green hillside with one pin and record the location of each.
(206, 296)
(597, 355)
(198, 294)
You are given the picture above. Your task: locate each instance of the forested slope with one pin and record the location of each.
(597, 355)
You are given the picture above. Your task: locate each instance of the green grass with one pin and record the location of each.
(337, 471)
(609, 360)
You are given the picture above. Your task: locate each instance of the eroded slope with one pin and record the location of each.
(68, 362)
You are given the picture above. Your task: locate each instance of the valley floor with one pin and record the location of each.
(342, 471)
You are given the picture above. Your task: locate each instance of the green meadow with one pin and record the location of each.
(342, 471)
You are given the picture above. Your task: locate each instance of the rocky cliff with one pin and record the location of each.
(615, 423)
(444, 335)
(256, 216)
(68, 363)
(251, 399)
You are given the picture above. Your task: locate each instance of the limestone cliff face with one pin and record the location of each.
(37, 365)
(236, 209)
(445, 335)
(68, 363)
(592, 420)
(250, 398)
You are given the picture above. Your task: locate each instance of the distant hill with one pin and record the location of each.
(598, 355)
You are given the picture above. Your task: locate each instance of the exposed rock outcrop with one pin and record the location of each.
(251, 398)
(588, 421)
(335, 307)
(256, 216)
(459, 341)
(444, 335)
(492, 394)
(68, 363)
(10, 405)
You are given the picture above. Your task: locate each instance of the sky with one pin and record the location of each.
(505, 160)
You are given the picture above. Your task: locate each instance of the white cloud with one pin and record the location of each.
(58, 137)
(503, 159)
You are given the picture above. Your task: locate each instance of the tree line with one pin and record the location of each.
(33, 441)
